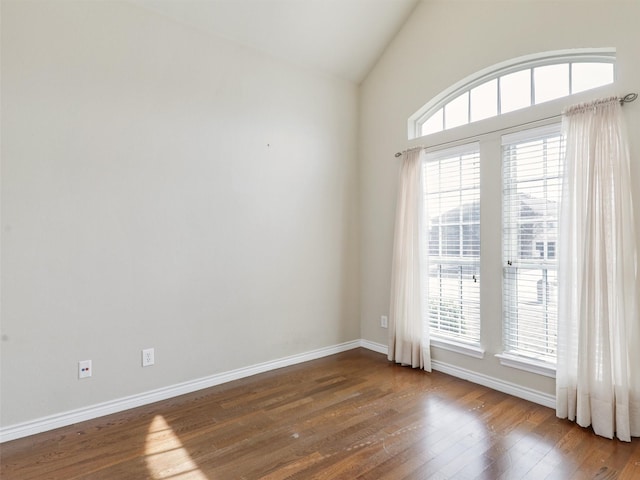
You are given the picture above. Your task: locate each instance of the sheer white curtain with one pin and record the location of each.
(598, 371)
(408, 332)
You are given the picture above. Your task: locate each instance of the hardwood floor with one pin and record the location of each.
(348, 416)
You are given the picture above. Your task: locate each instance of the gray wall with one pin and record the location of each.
(164, 188)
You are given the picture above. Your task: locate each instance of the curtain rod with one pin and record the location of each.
(628, 98)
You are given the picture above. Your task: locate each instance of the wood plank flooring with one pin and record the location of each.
(349, 416)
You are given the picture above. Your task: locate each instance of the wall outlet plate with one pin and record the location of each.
(384, 321)
(148, 357)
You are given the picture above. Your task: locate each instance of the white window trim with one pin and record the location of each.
(527, 364)
(457, 347)
(532, 134)
(605, 55)
(454, 150)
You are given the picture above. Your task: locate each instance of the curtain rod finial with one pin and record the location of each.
(398, 154)
(628, 98)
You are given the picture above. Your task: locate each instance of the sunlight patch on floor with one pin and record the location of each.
(166, 456)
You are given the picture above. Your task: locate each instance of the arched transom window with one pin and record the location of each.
(513, 85)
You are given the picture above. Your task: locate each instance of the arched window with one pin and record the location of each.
(467, 187)
(513, 85)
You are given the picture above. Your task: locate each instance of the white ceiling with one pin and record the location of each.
(340, 37)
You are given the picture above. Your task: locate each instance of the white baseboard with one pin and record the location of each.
(496, 384)
(64, 419)
(519, 391)
(376, 347)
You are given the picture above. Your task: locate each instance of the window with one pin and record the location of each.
(517, 84)
(531, 162)
(501, 192)
(452, 199)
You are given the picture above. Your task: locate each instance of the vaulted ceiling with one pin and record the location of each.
(343, 38)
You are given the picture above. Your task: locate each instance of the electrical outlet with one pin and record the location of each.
(84, 369)
(384, 321)
(148, 357)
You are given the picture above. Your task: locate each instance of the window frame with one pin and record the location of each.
(488, 133)
(450, 342)
(551, 131)
(440, 101)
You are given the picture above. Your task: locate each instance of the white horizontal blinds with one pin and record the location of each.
(531, 200)
(452, 199)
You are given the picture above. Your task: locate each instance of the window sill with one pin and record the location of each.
(528, 364)
(457, 347)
